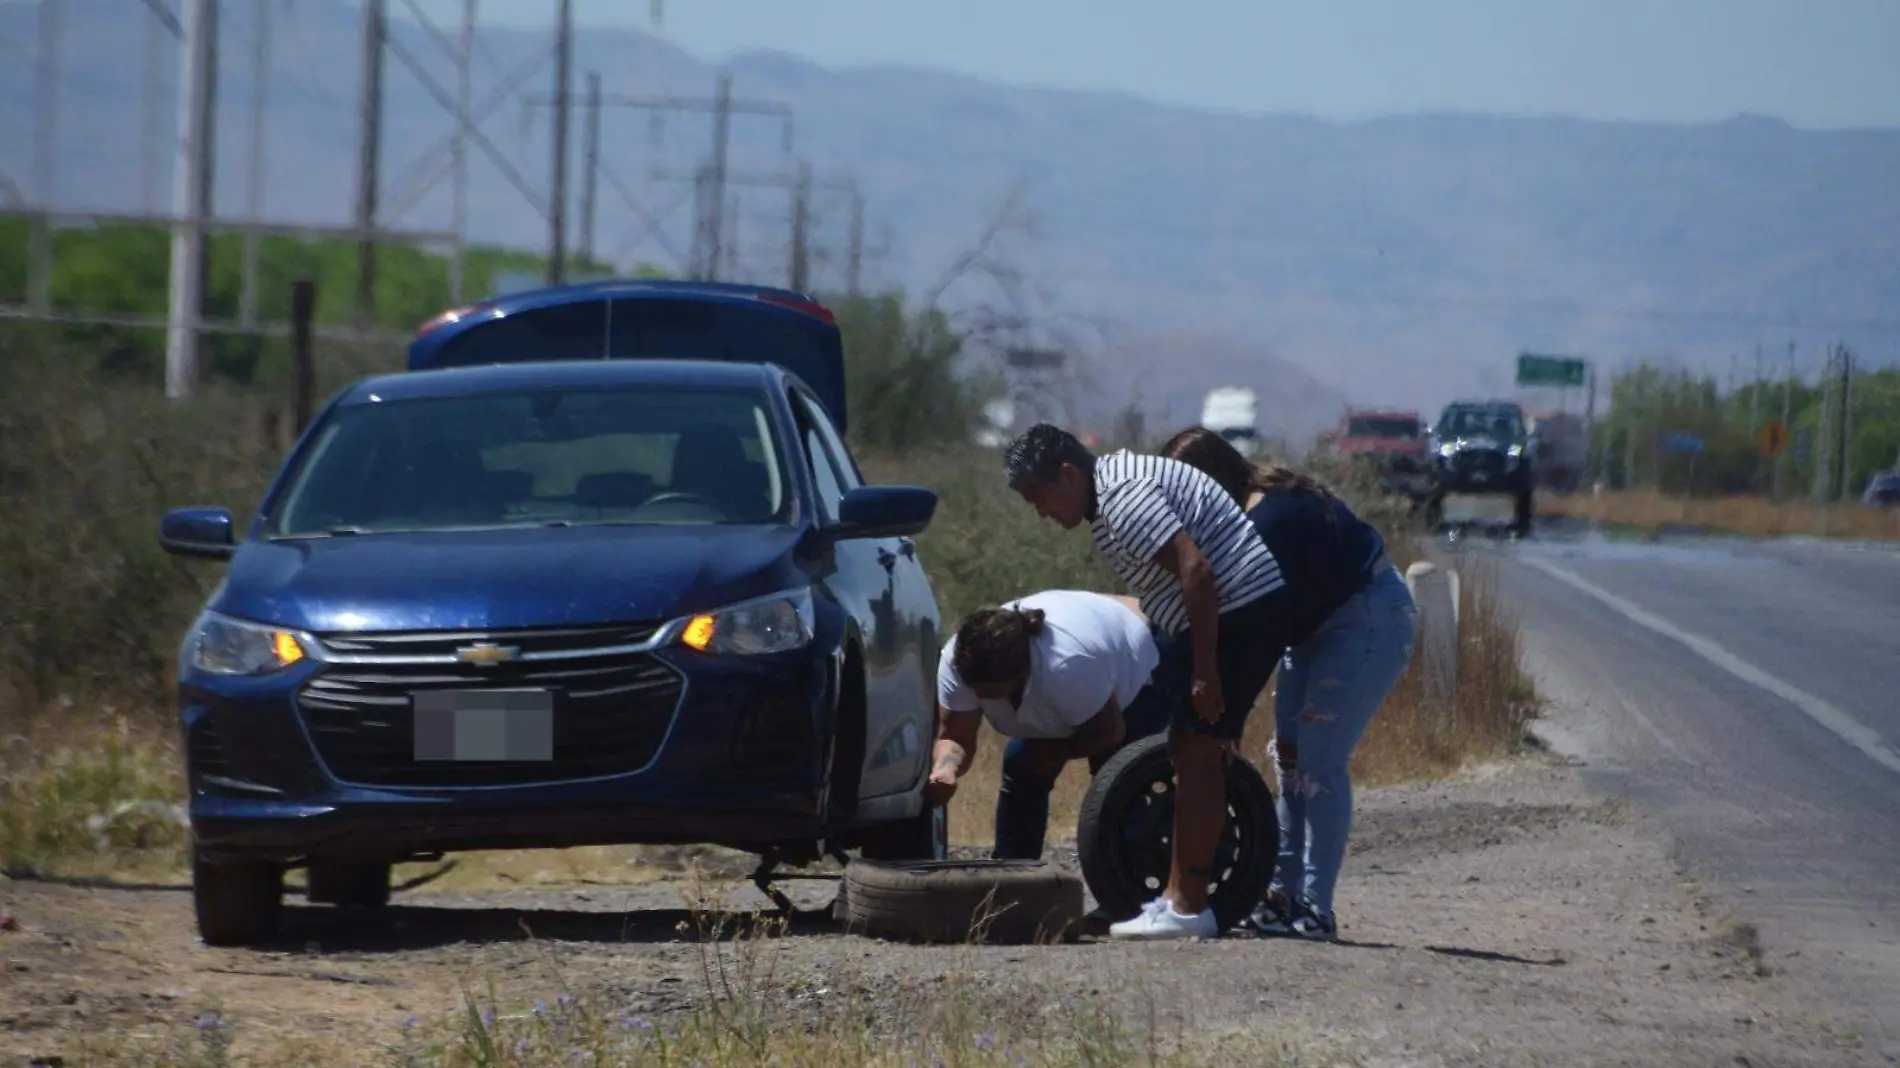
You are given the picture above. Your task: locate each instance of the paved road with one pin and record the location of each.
(1748, 693)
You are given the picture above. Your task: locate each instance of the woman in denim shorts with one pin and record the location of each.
(1350, 640)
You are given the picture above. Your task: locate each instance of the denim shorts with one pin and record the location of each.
(1247, 649)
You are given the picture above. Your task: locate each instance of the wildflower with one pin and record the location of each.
(209, 1021)
(488, 1017)
(409, 1023)
(540, 1008)
(986, 1042)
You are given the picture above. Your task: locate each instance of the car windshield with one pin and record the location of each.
(538, 458)
(1496, 422)
(1374, 427)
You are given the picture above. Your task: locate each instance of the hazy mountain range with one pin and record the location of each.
(1395, 261)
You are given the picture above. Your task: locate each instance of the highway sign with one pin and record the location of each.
(1772, 438)
(1534, 369)
(1683, 441)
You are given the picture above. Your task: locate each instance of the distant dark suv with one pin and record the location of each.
(1483, 447)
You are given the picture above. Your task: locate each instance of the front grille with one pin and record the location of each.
(612, 706)
(1471, 462)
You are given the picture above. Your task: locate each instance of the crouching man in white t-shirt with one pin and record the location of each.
(1065, 675)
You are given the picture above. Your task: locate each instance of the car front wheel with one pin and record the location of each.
(238, 903)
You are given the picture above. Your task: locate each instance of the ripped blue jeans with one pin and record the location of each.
(1330, 686)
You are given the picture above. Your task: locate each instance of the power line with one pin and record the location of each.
(710, 229)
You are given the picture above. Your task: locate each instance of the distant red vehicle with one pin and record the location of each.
(1392, 440)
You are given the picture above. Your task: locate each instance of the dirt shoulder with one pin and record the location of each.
(1506, 918)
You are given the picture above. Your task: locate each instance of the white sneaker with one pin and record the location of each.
(1160, 920)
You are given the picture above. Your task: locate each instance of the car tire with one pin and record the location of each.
(348, 884)
(1010, 902)
(1127, 823)
(237, 903)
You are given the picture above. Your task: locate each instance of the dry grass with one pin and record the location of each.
(744, 1015)
(1756, 517)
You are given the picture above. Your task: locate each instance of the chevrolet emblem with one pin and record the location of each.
(485, 654)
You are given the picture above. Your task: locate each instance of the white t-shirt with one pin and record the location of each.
(1092, 647)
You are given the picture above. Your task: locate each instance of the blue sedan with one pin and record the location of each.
(546, 603)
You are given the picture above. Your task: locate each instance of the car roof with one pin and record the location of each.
(776, 299)
(562, 374)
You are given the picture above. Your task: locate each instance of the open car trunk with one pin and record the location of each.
(638, 321)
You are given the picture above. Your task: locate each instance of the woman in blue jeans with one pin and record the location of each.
(1349, 641)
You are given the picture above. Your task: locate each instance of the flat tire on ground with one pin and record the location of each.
(1125, 834)
(993, 901)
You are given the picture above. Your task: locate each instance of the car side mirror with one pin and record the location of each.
(883, 512)
(205, 532)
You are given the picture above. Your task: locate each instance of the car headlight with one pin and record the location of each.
(1514, 451)
(221, 645)
(775, 624)
(1448, 449)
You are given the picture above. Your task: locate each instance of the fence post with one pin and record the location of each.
(303, 308)
(1436, 591)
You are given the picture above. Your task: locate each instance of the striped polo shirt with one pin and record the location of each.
(1141, 500)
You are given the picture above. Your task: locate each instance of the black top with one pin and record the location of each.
(1325, 552)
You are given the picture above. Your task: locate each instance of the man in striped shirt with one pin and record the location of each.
(1201, 571)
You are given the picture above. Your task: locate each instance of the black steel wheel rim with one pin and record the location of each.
(1140, 848)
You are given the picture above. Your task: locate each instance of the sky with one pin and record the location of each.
(1813, 63)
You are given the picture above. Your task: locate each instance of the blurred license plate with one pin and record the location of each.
(484, 725)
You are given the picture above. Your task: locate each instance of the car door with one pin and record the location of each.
(867, 583)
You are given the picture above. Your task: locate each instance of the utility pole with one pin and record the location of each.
(1754, 416)
(1847, 423)
(563, 78)
(458, 148)
(800, 184)
(191, 192)
(591, 150)
(801, 222)
(45, 151)
(716, 179)
(854, 262)
(260, 78)
(369, 157)
(709, 180)
(1824, 440)
(1787, 416)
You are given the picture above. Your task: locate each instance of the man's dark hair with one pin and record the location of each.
(1040, 452)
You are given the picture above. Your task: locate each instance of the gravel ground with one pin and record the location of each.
(1505, 918)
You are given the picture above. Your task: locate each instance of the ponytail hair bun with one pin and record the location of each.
(993, 644)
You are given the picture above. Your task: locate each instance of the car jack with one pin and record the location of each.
(767, 874)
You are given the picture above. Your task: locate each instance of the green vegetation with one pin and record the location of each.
(1647, 404)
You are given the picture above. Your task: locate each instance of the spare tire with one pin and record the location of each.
(998, 901)
(1124, 835)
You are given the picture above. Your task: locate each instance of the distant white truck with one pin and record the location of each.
(1232, 412)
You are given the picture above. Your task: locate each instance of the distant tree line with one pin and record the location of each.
(1651, 407)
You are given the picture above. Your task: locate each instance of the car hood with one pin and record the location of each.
(499, 579)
